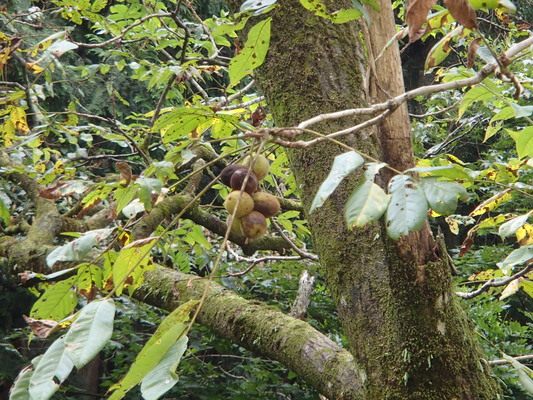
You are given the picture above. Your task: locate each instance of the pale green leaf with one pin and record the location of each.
(168, 332)
(511, 226)
(522, 111)
(149, 186)
(525, 374)
(90, 332)
(98, 5)
(257, 7)
(447, 171)
(442, 196)
(20, 388)
(124, 196)
(440, 51)
(524, 141)
(519, 256)
(408, 207)
(53, 368)
(161, 379)
(477, 93)
(343, 165)
(180, 122)
(372, 168)
(58, 301)
(253, 53)
(366, 204)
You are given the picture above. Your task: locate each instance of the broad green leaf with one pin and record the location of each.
(179, 122)
(492, 130)
(124, 196)
(519, 256)
(343, 165)
(161, 379)
(337, 17)
(511, 226)
(90, 332)
(442, 196)
(20, 388)
(408, 207)
(366, 204)
(446, 171)
(527, 286)
(524, 141)
(98, 5)
(442, 49)
(4, 212)
(58, 301)
(166, 335)
(78, 248)
(131, 263)
(521, 111)
(53, 368)
(253, 53)
(505, 5)
(88, 276)
(477, 93)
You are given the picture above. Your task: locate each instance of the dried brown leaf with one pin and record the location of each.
(463, 12)
(416, 16)
(472, 49)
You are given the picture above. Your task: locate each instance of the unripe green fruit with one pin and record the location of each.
(226, 174)
(236, 227)
(244, 206)
(237, 180)
(254, 225)
(266, 204)
(261, 165)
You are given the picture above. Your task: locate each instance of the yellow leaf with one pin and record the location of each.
(524, 235)
(34, 68)
(18, 116)
(492, 203)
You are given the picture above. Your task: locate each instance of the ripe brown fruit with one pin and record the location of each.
(266, 204)
(261, 165)
(225, 175)
(244, 206)
(238, 178)
(254, 225)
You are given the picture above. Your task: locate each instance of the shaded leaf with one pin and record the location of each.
(90, 332)
(408, 207)
(442, 49)
(53, 368)
(19, 390)
(366, 204)
(343, 165)
(161, 379)
(525, 374)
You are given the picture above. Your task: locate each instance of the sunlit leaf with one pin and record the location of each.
(519, 256)
(524, 141)
(366, 204)
(90, 332)
(511, 226)
(408, 207)
(492, 203)
(525, 374)
(337, 17)
(161, 379)
(58, 301)
(343, 165)
(53, 368)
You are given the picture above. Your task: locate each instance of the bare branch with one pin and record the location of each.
(495, 283)
(503, 361)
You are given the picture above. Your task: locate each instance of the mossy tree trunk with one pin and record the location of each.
(405, 328)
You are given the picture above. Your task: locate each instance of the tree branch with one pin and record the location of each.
(262, 329)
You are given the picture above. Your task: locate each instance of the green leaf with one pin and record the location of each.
(447, 171)
(408, 207)
(90, 332)
(58, 301)
(78, 248)
(337, 17)
(149, 186)
(343, 165)
(521, 111)
(166, 335)
(4, 212)
(131, 263)
(20, 388)
(442, 49)
(442, 196)
(124, 196)
(477, 93)
(524, 373)
(511, 226)
(53, 368)
(524, 141)
(180, 122)
(253, 54)
(366, 204)
(257, 7)
(518, 256)
(161, 379)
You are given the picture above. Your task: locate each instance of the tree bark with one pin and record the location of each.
(405, 328)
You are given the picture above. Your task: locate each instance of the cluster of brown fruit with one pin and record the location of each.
(251, 206)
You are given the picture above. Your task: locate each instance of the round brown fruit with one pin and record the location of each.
(266, 204)
(225, 175)
(261, 165)
(238, 178)
(254, 225)
(244, 206)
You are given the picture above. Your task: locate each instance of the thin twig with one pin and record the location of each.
(301, 253)
(494, 283)
(503, 361)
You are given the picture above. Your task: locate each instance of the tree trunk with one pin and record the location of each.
(404, 326)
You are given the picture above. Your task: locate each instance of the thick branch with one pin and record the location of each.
(264, 330)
